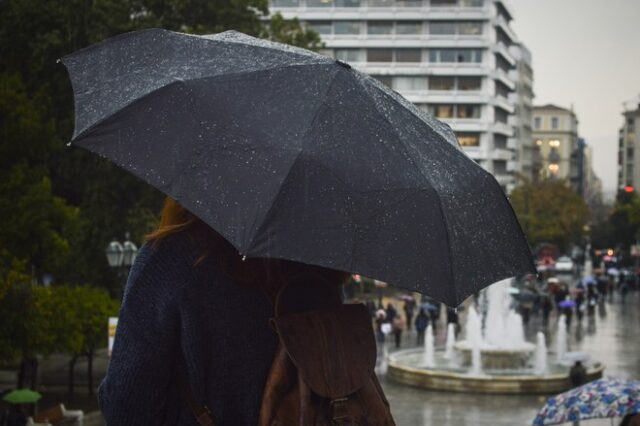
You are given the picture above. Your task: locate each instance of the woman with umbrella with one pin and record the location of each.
(255, 142)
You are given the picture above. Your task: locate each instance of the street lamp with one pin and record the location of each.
(121, 256)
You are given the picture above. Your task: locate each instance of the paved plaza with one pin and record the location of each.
(613, 338)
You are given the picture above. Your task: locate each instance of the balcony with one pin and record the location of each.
(501, 49)
(499, 21)
(503, 77)
(502, 154)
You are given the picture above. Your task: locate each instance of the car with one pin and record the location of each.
(564, 264)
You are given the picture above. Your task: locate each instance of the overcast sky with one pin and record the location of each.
(586, 53)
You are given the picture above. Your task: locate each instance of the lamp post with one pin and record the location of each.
(121, 256)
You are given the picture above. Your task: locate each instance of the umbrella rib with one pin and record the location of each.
(437, 194)
(294, 162)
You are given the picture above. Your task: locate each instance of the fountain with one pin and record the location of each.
(451, 341)
(497, 359)
(541, 354)
(429, 349)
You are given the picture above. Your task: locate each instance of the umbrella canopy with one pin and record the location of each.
(598, 399)
(22, 396)
(290, 154)
(588, 280)
(613, 272)
(567, 303)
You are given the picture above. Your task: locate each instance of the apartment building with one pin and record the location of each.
(628, 144)
(557, 148)
(452, 58)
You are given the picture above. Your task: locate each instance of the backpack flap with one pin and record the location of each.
(333, 349)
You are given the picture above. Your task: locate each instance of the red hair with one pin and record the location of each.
(271, 273)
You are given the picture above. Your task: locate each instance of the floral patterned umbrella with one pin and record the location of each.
(601, 398)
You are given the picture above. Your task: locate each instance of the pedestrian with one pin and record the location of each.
(580, 306)
(381, 318)
(408, 313)
(422, 322)
(577, 374)
(546, 310)
(452, 318)
(391, 312)
(371, 307)
(568, 314)
(195, 320)
(398, 325)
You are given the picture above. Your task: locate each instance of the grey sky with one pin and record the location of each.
(585, 53)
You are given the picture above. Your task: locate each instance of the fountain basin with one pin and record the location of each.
(497, 359)
(400, 370)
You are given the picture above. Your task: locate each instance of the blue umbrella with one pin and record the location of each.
(588, 280)
(567, 303)
(599, 399)
(429, 307)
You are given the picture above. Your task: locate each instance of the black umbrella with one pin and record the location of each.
(293, 155)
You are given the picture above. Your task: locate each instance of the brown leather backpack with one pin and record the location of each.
(323, 371)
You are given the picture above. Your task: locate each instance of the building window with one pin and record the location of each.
(502, 90)
(469, 139)
(379, 55)
(500, 167)
(409, 3)
(347, 3)
(408, 55)
(346, 27)
(286, 3)
(442, 110)
(387, 80)
(321, 27)
(409, 83)
(537, 122)
(408, 28)
(444, 3)
(629, 153)
(348, 55)
(470, 28)
(442, 83)
(380, 27)
(468, 111)
(499, 141)
(472, 3)
(501, 115)
(554, 143)
(455, 55)
(381, 3)
(554, 123)
(319, 3)
(469, 83)
(442, 28)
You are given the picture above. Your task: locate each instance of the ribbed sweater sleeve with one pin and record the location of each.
(142, 365)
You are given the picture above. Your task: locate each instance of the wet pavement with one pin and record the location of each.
(612, 337)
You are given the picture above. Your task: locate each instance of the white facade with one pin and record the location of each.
(628, 144)
(453, 58)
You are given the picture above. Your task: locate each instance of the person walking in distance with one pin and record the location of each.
(422, 321)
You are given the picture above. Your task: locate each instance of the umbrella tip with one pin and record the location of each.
(244, 257)
(343, 64)
(69, 143)
(58, 61)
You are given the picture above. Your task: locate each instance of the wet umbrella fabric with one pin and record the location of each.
(290, 154)
(599, 399)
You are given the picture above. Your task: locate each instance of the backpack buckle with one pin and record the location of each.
(339, 409)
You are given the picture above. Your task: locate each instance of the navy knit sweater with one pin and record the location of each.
(177, 319)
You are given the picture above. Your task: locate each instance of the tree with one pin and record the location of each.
(78, 201)
(290, 31)
(550, 212)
